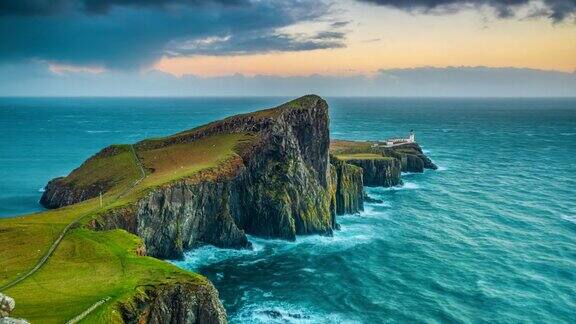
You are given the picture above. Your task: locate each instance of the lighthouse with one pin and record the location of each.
(411, 137)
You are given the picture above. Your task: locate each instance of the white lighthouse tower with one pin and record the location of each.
(411, 137)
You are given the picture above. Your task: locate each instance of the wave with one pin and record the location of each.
(354, 231)
(571, 219)
(442, 168)
(209, 254)
(379, 204)
(405, 186)
(282, 312)
(41, 189)
(100, 131)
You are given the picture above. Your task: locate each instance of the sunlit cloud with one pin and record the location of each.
(64, 69)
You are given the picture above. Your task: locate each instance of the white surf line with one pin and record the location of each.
(87, 311)
(67, 228)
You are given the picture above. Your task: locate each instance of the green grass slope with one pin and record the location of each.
(89, 266)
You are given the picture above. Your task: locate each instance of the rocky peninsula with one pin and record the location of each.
(272, 173)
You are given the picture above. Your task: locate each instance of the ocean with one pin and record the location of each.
(488, 237)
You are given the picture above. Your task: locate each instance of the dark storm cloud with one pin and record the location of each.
(557, 10)
(339, 24)
(131, 34)
(51, 7)
(253, 42)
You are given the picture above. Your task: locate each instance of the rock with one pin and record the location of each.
(9, 320)
(175, 303)
(372, 200)
(7, 305)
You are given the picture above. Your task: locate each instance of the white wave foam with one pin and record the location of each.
(569, 218)
(442, 168)
(41, 189)
(282, 312)
(208, 255)
(378, 204)
(405, 186)
(410, 185)
(355, 230)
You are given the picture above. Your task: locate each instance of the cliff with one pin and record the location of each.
(378, 171)
(381, 166)
(268, 176)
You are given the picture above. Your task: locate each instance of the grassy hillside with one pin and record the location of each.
(56, 268)
(89, 266)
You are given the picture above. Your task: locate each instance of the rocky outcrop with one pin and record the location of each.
(58, 193)
(64, 191)
(411, 157)
(380, 172)
(7, 305)
(349, 194)
(174, 303)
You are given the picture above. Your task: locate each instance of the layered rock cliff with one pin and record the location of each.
(379, 172)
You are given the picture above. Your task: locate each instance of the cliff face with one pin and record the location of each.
(278, 186)
(349, 194)
(384, 172)
(176, 303)
(411, 156)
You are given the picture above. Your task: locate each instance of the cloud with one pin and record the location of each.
(249, 43)
(557, 10)
(37, 80)
(52, 7)
(130, 34)
(339, 24)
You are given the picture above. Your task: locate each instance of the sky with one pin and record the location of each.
(289, 47)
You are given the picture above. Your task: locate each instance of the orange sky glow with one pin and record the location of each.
(386, 38)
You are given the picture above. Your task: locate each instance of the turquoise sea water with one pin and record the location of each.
(489, 237)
